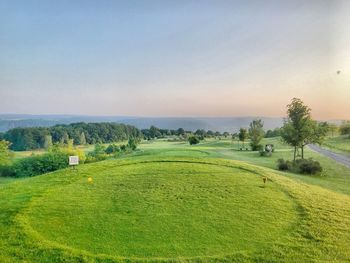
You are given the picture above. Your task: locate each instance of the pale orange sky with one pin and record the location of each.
(181, 58)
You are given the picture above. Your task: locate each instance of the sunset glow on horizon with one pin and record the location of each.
(175, 58)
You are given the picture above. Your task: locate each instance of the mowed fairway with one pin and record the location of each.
(171, 205)
(164, 209)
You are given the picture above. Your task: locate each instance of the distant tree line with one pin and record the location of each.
(154, 132)
(273, 133)
(344, 128)
(22, 139)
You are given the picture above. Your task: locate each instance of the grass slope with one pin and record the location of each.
(173, 203)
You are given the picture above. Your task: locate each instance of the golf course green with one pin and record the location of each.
(170, 202)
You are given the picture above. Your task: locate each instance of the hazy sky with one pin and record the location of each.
(174, 58)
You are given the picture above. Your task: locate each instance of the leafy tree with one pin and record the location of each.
(243, 135)
(226, 134)
(154, 132)
(256, 134)
(112, 148)
(132, 143)
(33, 138)
(180, 131)
(210, 133)
(299, 129)
(344, 128)
(5, 154)
(273, 133)
(82, 138)
(99, 149)
(65, 138)
(290, 136)
(234, 136)
(48, 142)
(193, 140)
(200, 133)
(297, 126)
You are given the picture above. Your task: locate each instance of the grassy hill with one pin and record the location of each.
(171, 202)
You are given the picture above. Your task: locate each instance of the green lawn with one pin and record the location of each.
(339, 144)
(171, 202)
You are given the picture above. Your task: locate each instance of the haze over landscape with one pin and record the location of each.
(174, 58)
(177, 131)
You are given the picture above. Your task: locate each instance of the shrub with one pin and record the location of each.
(40, 164)
(98, 154)
(265, 153)
(308, 166)
(345, 128)
(303, 166)
(132, 144)
(256, 147)
(193, 140)
(112, 148)
(7, 170)
(283, 165)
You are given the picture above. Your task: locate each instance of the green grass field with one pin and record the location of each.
(339, 144)
(171, 202)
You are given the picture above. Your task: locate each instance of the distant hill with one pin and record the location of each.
(230, 124)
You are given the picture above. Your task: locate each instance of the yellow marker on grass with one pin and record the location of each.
(90, 180)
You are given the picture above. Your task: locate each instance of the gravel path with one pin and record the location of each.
(342, 159)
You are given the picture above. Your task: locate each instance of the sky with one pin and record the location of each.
(174, 58)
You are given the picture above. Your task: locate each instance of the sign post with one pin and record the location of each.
(73, 161)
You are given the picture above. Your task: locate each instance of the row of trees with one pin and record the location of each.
(255, 133)
(298, 130)
(154, 132)
(79, 133)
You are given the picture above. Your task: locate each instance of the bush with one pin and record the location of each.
(7, 170)
(256, 147)
(345, 128)
(112, 148)
(265, 153)
(283, 165)
(40, 164)
(56, 158)
(308, 166)
(193, 140)
(302, 166)
(98, 154)
(132, 144)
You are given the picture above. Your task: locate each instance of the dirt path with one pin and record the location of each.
(342, 159)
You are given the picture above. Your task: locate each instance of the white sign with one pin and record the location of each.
(73, 160)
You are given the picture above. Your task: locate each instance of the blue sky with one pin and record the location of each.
(174, 58)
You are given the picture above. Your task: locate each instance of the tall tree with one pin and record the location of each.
(5, 154)
(256, 133)
(82, 138)
(242, 135)
(65, 138)
(47, 142)
(299, 129)
(297, 126)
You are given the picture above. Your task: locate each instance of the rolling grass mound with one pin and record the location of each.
(171, 209)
